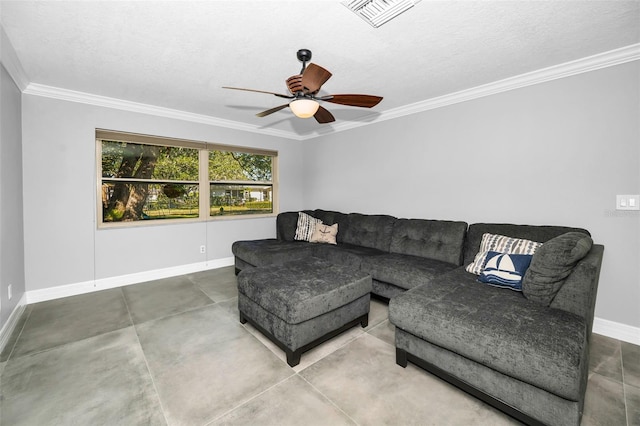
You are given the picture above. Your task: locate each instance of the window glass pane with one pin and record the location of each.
(130, 160)
(132, 201)
(240, 199)
(225, 165)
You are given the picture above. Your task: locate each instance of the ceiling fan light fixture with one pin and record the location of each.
(304, 108)
(378, 12)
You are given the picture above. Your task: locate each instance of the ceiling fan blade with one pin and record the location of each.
(323, 116)
(260, 91)
(313, 77)
(271, 111)
(364, 101)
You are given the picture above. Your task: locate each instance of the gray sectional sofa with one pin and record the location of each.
(398, 253)
(524, 354)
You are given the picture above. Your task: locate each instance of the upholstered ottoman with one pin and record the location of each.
(302, 303)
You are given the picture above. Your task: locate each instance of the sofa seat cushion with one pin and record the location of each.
(299, 290)
(498, 328)
(269, 251)
(403, 270)
(346, 254)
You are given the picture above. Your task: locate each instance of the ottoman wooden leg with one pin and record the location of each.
(243, 320)
(364, 320)
(293, 358)
(401, 357)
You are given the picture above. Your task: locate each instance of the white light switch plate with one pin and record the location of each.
(627, 202)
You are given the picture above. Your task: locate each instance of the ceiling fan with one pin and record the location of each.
(304, 88)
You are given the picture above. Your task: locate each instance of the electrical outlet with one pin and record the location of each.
(9, 292)
(203, 249)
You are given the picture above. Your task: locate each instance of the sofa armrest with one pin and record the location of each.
(578, 294)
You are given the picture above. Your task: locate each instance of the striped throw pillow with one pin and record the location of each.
(306, 226)
(500, 244)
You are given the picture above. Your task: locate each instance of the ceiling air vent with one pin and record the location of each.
(378, 12)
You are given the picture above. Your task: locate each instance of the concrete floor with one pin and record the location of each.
(173, 352)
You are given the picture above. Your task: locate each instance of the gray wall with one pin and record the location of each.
(62, 243)
(554, 153)
(11, 229)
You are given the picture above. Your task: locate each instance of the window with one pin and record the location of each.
(146, 178)
(240, 183)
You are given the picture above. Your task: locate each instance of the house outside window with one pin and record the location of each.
(146, 179)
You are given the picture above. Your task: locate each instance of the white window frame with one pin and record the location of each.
(203, 178)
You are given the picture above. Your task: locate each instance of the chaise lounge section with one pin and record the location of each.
(527, 358)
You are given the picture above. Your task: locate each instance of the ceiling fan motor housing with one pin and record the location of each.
(304, 55)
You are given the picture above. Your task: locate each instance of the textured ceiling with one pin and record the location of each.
(178, 54)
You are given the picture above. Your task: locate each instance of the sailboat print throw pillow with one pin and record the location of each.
(505, 270)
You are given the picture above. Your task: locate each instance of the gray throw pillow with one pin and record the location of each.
(552, 263)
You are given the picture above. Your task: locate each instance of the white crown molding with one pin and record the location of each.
(11, 62)
(107, 102)
(591, 63)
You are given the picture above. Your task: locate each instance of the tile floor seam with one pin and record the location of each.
(624, 390)
(246, 328)
(249, 399)
(373, 328)
(624, 398)
(273, 348)
(201, 290)
(329, 399)
(144, 356)
(176, 313)
(153, 381)
(195, 284)
(205, 293)
(221, 301)
(336, 349)
(70, 343)
(626, 406)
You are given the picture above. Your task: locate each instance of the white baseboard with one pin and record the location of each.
(12, 322)
(617, 330)
(35, 296)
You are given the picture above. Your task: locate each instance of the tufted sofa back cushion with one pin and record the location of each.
(373, 231)
(434, 239)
